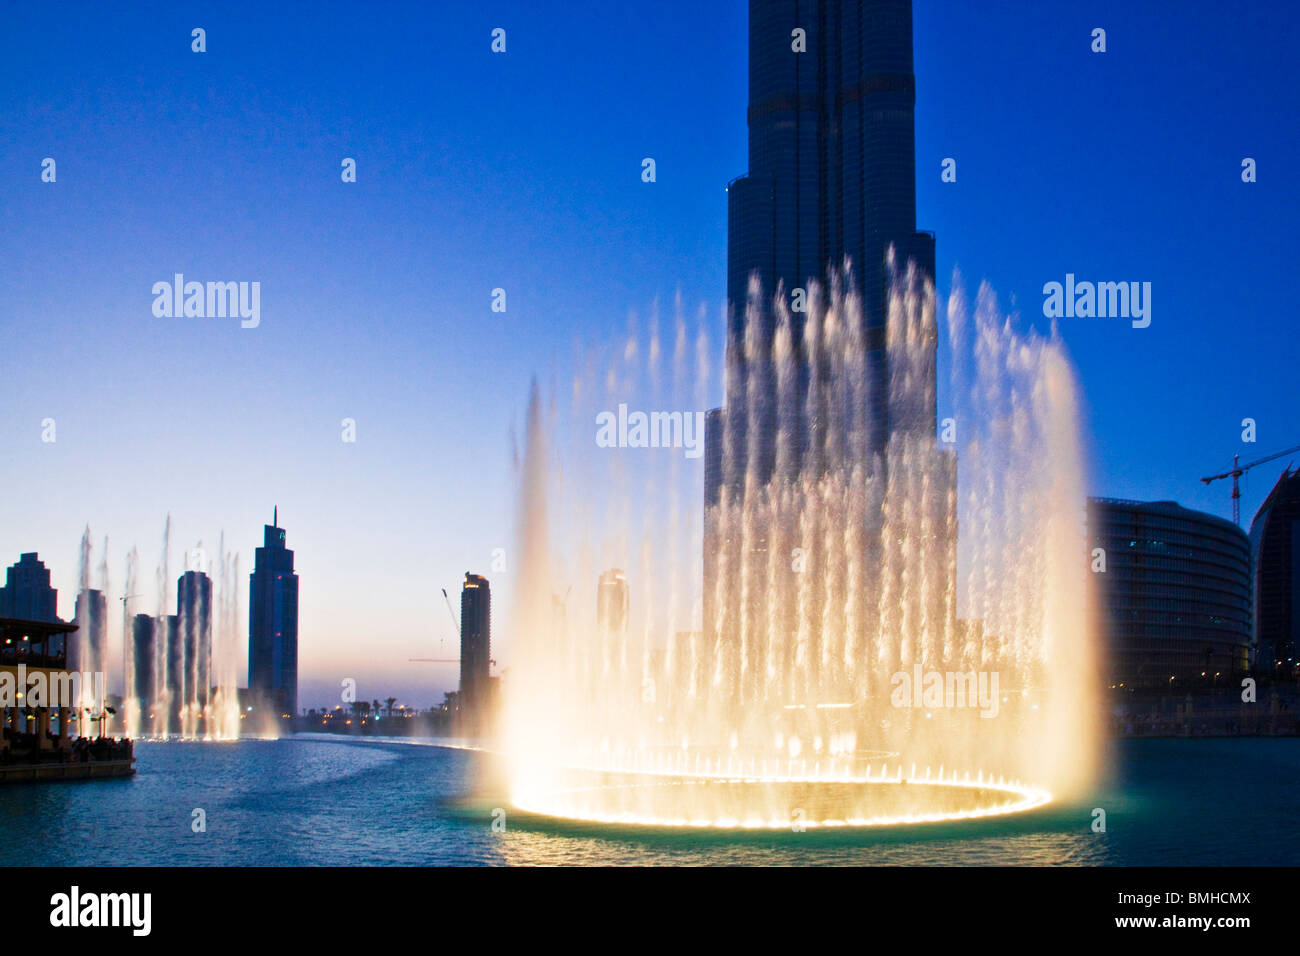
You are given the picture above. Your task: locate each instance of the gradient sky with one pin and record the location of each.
(522, 171)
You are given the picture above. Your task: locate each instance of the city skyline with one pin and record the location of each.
(78, 297)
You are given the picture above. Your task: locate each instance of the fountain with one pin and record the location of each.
(180, 669)
(860, 663)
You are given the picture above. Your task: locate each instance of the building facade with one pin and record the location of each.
(831, 178)
(1174, 597)
(27, 594)
(142, 682)
(831, 182)
(475, 650)
(612, 602)
(273, 623)
(1275, 550)
(194, 620)
(89, 645)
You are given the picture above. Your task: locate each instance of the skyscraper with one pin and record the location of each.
(143, 686)
(27, 594)
(88, 645)
(831, 181)
(1275, 549)
(612, 602)
(475, 649)
(273, 622)
(194, 616)
(831, 177)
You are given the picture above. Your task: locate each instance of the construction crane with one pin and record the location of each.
(1239, 470)
(455, 625)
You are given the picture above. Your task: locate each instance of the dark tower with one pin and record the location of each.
(144, 688)
(87, 647)
(612, 602)
(194, 615)
(1275, 549)
(273, 623)
(831, 180)
(27, 593)
(475, 650)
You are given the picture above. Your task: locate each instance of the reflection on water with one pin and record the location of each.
(303, 801)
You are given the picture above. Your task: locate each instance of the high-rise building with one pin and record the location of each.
(1275, 549)
(1174, 597)
(143, 687)
(194, 616)
(831, 180)
(173, 655)
(475, 650)
(27, 594)
(273, 623)
(89, 644)
(612, 602)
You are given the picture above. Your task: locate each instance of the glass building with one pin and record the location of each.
(88, 647)
(831, 178)
(273, 623)
(475, 649)
(1275, 549)
(27, 594)
(612, 602)
(1174, 599)
(194, 618)
(143, 685)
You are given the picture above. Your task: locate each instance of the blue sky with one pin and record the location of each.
(522, 171)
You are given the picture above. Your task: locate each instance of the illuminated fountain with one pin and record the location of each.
(180, 669)
(862, 664)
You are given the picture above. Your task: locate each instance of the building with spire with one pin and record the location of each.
(831, 182)
(273, 623)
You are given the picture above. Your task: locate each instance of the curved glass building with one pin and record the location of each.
(1275, 549)
(1175, 596)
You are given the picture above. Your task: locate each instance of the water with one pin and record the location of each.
(832, 567)
(332, 802)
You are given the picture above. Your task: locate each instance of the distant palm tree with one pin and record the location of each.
(390, 701)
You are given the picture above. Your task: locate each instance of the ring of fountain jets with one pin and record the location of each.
(861, 663)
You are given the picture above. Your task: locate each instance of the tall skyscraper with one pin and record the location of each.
(273, 622)
(194, 615)
(27, 594)
(143, 685)
(88, 645)
(831, 180)
(173, 661)
(1275, 549)
(475, 649)
(831, 177)
(612, 602)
